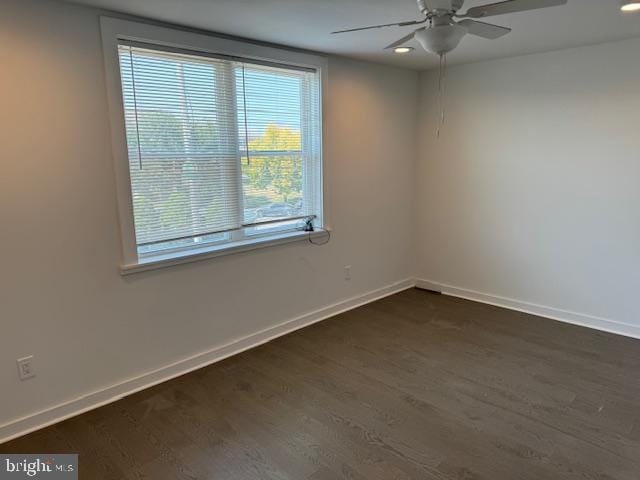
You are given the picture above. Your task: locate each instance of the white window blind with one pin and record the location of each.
(219, 148)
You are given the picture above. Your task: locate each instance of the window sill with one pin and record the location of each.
(195, 255)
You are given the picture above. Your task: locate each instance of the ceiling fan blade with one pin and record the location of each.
(484, 30)
(511, 6)
(399, 24)
(402, 41)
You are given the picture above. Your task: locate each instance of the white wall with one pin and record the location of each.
(61, 296)
(533, 191)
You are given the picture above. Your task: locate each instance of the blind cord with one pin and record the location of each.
(246, 124)
(135, 107)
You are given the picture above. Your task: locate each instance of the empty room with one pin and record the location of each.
(320, 239)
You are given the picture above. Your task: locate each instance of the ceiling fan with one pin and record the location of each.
(442, 33)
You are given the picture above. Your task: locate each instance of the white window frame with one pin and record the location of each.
(113, 30)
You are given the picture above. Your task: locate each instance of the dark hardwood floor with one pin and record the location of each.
(414, 386)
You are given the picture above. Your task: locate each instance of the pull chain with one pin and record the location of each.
(442, 80)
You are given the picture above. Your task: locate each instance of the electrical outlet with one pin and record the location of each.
(347, 272)
(25, 367)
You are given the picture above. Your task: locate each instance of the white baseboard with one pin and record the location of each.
(90, 401)
(427, 285)
(567, 316)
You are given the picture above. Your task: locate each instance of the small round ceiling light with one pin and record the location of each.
(403, 49)
(630, 7)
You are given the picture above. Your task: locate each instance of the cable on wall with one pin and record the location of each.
(326, 239)
(308, 227)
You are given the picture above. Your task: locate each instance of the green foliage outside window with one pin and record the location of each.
(268, 180)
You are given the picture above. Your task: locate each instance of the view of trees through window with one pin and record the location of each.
(273, 182)
(212, 145)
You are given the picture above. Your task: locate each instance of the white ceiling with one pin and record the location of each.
(307, 23)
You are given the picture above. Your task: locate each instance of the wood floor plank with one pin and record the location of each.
(414, 386)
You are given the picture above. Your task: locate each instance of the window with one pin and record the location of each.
(218, 148)
(221, 149)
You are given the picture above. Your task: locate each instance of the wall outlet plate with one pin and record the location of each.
(25, 367)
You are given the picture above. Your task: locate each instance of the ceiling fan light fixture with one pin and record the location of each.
(403, 50)
(441, 39)
(630, 6)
